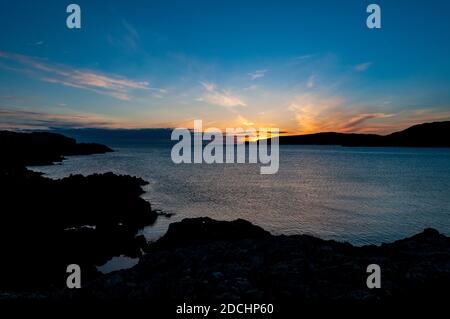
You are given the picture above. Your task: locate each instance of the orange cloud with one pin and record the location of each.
(115, 86)
(314, 113)
(218, 97)
(358, 121)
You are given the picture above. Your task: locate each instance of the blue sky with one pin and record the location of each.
(302, 66)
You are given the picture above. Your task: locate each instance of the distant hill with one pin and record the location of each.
(436, 134)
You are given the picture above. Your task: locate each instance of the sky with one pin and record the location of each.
(300, 66)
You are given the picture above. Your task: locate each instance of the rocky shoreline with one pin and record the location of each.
(204, 260)
(48, 224)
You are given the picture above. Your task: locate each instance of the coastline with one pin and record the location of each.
(206, 260)
(83, 220)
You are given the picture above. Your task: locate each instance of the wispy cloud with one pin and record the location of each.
(303, 57)
(363, 66)
(311, 82)
(250, 88)
(357, 122)
(13, 119)
(257, 74)
(244, 121)
(405, 119)
(314, 113)
(128, 39)
(115, 86)
(215, 96)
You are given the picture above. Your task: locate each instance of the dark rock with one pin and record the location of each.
(47, 224)
(206, 230)
(42, 148)
(193, 261)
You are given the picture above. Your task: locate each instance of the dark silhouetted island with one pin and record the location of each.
(42, 148)
(436, 134)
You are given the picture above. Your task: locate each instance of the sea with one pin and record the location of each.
(361, 195)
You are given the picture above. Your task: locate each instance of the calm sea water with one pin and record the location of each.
(359, 195)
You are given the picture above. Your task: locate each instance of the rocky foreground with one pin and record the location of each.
(47, 224)
(203, 260)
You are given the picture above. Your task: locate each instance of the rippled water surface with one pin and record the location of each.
(360, 195)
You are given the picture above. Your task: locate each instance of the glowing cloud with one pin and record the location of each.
(314, 113)
(219, 97)
(114, 86)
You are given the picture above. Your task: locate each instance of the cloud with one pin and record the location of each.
(303, 57)
(312, 112)
(115, 86)
(13, 119)
(250, 87)
(315, 113)
(210, 87)
(405, 119)
(257, 74)
(357, 121)
(219, 97)
(129, 40)
(244, 121)
(363, 66)
(311, 82)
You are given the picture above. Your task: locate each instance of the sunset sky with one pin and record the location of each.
(301, 66)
